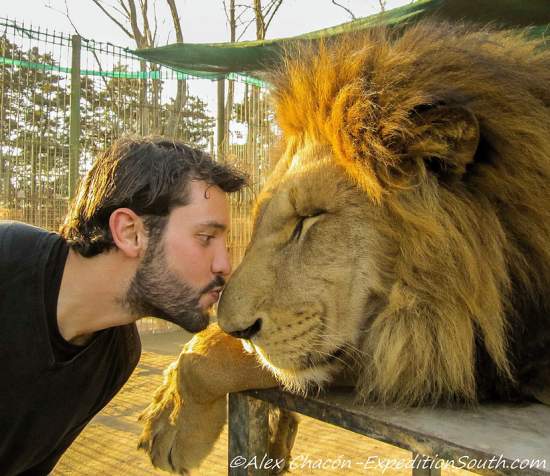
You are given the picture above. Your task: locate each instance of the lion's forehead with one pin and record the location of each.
(310, 157)
(311, 181)
(311, 184)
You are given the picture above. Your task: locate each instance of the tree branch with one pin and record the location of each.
(175, 20)
(144, 6)
(334, 2)
(123, 12)
(113, 19)
(277, 4)
(141, 40)
(155, 18)
(68, 16)
(225, 11)
(232, 21)
(244, 10)
(124, 7)
(246, 28)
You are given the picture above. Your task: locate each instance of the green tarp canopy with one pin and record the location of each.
(216, 60)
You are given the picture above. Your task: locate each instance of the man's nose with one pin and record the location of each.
(222, 262)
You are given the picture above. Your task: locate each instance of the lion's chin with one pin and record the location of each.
(300, 380)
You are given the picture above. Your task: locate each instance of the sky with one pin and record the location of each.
(203, 21)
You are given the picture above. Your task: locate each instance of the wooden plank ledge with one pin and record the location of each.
(506, 434)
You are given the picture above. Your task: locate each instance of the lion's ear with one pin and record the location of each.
(446, 139)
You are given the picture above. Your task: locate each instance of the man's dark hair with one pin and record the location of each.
(148, 175)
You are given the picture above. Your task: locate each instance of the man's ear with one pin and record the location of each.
(446, 139)
(128, 232)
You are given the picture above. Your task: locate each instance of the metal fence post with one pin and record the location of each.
(74, 137)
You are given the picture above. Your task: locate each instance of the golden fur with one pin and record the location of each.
(404, 235)
(188, 411)
(446, 133)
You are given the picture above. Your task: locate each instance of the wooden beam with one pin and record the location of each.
(489, 439)
(248, 436)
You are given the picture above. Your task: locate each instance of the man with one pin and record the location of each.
(145, 236)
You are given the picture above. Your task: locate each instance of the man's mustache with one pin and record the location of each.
(217, 282)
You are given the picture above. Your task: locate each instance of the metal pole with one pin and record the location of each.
(74, 139)
(221, 118)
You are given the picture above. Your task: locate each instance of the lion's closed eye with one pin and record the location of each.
(305, 223)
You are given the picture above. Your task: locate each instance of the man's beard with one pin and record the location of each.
(157, 292)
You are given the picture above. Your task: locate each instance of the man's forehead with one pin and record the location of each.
(206, 206)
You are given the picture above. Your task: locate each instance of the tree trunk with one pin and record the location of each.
(177, 109)
(181, 87)
(231, 84)
(143, 116)
(260, 20)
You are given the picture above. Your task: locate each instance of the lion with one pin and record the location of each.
(403, 237)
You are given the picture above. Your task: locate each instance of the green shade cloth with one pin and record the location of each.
(249, 57)
(128, 74)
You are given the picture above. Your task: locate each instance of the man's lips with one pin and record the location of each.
(213, 296)
(215, 293)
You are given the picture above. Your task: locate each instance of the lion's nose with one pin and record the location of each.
(249, 332)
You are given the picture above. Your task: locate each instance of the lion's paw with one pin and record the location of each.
(178, 432)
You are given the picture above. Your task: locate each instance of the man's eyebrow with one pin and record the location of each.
(213, 224)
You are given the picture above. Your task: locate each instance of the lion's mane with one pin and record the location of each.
(470, 306)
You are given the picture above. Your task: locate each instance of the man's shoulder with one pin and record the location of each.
(19, 229)
(20, 242)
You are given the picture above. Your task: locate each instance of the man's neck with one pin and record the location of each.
(91, 295)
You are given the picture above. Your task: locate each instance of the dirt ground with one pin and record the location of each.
(108, 444)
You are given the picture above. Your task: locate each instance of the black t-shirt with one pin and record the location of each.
(62, 349)
(49, 388)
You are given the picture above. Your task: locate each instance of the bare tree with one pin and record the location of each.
(181, 93)
(240, 16)
(264, 15)
(137, 22)
(232, 22)
(244, 15)
(257, 14)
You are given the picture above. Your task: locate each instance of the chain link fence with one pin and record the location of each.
(64, 98)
